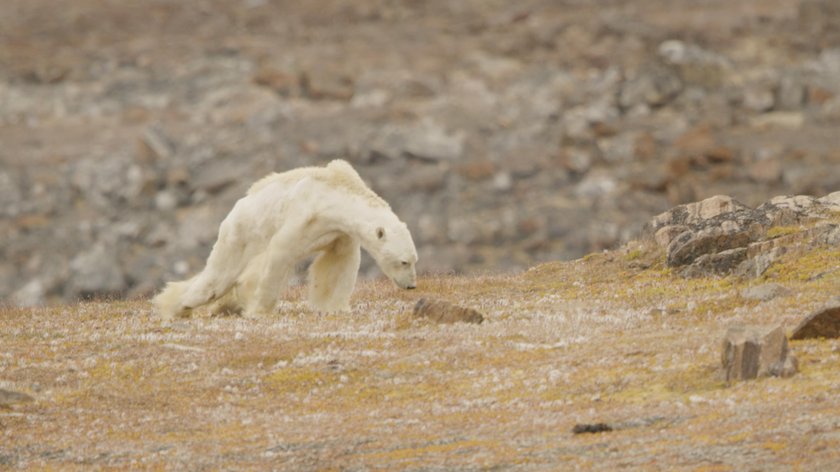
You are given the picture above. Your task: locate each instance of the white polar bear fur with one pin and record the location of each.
(284, 218)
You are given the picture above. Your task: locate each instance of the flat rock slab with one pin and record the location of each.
(823, 323)
(444, 312)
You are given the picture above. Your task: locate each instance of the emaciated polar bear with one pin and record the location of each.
(284, 218)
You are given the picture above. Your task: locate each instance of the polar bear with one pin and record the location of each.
(284, 218)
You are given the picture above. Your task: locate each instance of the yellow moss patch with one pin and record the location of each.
(804, 267)
(298, 379)
(774, 446)
(777, 231)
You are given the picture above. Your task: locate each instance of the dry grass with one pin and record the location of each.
(613, 337)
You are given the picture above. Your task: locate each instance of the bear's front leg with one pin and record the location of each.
(332, 276)
(280, 259)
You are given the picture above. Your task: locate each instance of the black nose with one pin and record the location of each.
(411, 287)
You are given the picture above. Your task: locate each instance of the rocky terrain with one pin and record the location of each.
(614, 361)
(504, 134)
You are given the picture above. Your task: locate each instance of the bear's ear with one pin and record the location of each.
(380, 232)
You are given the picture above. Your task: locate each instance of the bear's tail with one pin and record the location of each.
(168, 302)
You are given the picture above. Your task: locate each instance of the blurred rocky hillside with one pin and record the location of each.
(503, 133)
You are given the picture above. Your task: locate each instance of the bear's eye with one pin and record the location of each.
(380, 233)
(404, 263)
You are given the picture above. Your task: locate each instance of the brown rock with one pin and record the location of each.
(750, 352)
(819, 95)
(318, 84)
(280, 82)
(582, 428)
(477, 169)
(823, 323)
(178, 175)
(719, 154)
(444, 312)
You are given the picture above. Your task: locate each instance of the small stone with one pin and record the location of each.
(9, 398)
(444, 312)
(654, 86)
(764, 292)
(280, 82)
(751, 351)
(477, 170)
(823, 323)
(576, 160)
(759, 98)
(322, 84)
(582, 428)
(166, 201)
(178, 175)
(502, 181)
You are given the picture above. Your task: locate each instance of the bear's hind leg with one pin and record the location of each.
(225, 263)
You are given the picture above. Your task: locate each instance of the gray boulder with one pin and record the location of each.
(720, 236)
(750, 352)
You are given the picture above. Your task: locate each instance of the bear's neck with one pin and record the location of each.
(360, 223)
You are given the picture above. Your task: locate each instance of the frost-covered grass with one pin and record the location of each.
(614, 337)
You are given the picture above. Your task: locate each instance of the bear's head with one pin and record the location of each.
(393, 249)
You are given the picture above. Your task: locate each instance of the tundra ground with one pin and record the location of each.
(614, 337)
